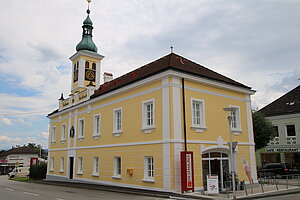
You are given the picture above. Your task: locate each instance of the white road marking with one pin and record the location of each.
(29, 193)
(10, 189)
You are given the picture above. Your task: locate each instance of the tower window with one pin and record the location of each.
(94, 66)
(87, 64)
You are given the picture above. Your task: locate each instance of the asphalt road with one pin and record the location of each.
(14, 190)
(286, 197)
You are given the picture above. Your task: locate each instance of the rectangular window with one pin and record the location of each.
(198, 115)
(53, 135)
(52, 164)
(275, 131)
(63, 132)
(290, 130)
(117, 167)
(148, 116)
(96, 166)
(97, 125)
(149, 168)
(62, 163)
(235, 119)
(81, 128)
(79, 165)
(117, 120)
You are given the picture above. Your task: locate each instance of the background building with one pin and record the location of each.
(129, 131)
(19, 156)
(284, 113)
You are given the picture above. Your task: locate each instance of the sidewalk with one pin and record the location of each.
(256, 192)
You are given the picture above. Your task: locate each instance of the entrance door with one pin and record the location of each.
(71, 167)
(215, 163)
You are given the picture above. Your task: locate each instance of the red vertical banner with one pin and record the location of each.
(187, 171)
(33, 161)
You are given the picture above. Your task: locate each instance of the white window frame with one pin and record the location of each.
(80, 165)
(147, 169)
(201, 126)
(237, 128)
(53, 134)
(286, 131)
(62, 164)
(81, 126)
(148, 128)
(97, 130)
(96, 166)
(63, 132)
(52, 164)
(117, 167)
(116, 129)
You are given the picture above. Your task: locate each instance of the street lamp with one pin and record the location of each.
(229, 117)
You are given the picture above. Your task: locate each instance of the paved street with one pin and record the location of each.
(289, 197)
(13, 190)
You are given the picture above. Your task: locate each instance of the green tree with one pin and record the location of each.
(38, 147)
(263, 130)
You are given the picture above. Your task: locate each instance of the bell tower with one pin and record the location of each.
(86, 62)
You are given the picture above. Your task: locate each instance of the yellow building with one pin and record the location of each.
(129, 131)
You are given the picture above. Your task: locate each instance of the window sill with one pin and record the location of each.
(61, 171)
(63, 141)
(53, 142)
(79, 173)
(51, 170)
(117, 133)
(96, 137)
(199, 129)
(80, 139)
(148, 180)
(236, 131)
(95, 175)
(116, 177)
(148, 129)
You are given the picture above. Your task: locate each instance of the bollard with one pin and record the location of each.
(262, 188)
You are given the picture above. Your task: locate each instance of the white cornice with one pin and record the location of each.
(85, 53)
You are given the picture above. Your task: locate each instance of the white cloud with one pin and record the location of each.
(45, 135)
(5, 121)
(8, 142)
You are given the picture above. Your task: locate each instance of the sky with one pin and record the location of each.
(255, 42)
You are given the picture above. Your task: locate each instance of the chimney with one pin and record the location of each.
(107, 77)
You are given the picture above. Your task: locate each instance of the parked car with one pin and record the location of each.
(19, 172)
(272, 169)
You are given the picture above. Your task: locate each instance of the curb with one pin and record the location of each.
(271, 193)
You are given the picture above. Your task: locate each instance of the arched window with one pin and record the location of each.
(87, 64)
(94, 66)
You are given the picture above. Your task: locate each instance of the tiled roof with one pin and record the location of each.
(287, 104)
(20, 150)
(170, 61)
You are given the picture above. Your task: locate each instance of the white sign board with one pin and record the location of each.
(212, 184)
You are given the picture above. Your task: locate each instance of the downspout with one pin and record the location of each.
(183, 109)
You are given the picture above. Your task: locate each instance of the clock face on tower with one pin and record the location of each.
(90, 75)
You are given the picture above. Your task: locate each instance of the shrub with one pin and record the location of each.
(38, 171)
